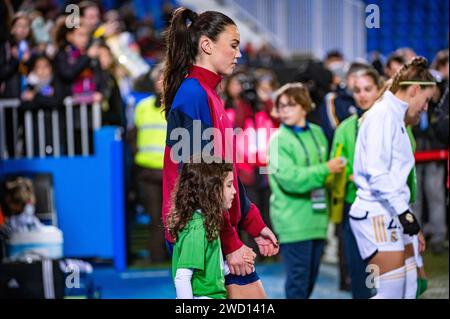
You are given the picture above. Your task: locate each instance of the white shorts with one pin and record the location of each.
(377, 231)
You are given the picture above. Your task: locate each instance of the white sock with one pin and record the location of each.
(391, 285)
(411, 278)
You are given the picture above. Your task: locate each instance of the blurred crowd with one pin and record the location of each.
(111, 55)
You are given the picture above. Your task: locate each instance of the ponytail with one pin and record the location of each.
(180, 54)
(414, 72)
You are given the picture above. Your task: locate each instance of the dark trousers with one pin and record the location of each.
(356, 265)
(260, 196)
(149, 184)
(302, 262)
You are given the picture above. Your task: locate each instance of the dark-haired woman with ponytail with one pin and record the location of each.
(381, 218)
(201, 49)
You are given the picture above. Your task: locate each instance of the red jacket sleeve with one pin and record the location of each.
(170, 174)
(228, 236)
(253, 222)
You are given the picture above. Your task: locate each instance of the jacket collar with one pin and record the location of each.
(205, 76)
(399, 106)
(298, 129)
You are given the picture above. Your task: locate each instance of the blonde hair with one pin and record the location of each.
(414, 71)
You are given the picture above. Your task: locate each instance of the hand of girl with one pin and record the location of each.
(249, 263)
(249, 259)
(236, 262)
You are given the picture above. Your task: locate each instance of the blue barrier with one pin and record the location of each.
(89, 197)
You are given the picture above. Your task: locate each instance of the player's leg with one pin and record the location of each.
(380, 243)
(411, 269)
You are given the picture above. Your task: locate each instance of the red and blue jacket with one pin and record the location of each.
(197, 100)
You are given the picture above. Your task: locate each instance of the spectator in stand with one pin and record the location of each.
(333, 57)
(266, 85)
(17, 50)
(43, 92)
(339, 105)
(112, 105)
(393, 64)
(90, 15)
(430, 175)
(406, 53)
(77, 66)
(441, 117)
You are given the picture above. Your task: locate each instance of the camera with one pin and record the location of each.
(248, 89)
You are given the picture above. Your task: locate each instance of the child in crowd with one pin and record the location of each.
(19, 203)
(77, 65)
(43, 93)
(299, 166)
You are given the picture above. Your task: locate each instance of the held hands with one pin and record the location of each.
(267, 243)
(241, 262)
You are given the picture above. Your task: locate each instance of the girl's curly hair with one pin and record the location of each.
(199, 186)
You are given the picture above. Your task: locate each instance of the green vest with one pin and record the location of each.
(151, 134)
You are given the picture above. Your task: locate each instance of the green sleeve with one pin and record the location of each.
(291, 177)
(412, 178)
(339, 138)
(412, 184)
(192, 249)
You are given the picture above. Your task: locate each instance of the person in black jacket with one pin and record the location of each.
(112, 105)
(431, 175)
(440, 118)
(77, 66)
(43, 92)
(15, 51)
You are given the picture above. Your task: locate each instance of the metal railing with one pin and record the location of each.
(13, 105)
(310, 27)
(11, 145)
